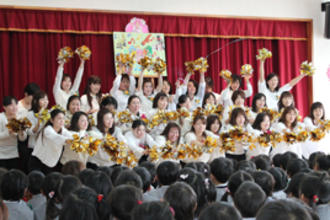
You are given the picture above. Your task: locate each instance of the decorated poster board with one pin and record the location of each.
(144, 44)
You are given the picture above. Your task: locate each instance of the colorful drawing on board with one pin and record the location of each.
(144, 44)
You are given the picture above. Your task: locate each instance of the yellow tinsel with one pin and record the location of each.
(201, 64)
(183, 113)
(126, 59)
(145, 62)
(210, 144)
(290, 137)
(263, 54)
(83, 52)
(125, 117)
(91, 120)
(43, 115)
(246, 70)
(317, 134)
(307, 68)
(65, 54)
(16, 125)
(302, 136)
(159, 66)
(272, 113)
(85, 144)
(226, 74)
(190, 66)
(228, 143)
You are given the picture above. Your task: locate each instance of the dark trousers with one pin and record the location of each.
(36, 164)
(237, 157)
(10, 163)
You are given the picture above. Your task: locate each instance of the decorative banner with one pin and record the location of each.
(143, 44)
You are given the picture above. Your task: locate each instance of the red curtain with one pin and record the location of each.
(31, 39)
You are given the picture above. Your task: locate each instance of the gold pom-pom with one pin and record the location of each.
(226, 74)
(201, 64)
(16, 125)
(65, 54)
(317, 134)
(302, 136)
(145, 62)
(272, 113)
(190, 66)
(83, 52)
(246, 70)
(307, 68)
(210, 144)
(43, 115)
(159, 66)
(290, 137)
(263, 54)
(125, 117)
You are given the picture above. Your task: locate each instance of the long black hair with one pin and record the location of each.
(92, 80)
(74, 121)
(100, 122)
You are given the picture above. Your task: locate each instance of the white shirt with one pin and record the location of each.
(49, 145)
(119, 95)
(146, 102)
(198, 98)
(272, 98)
(8, 142)
(32, 136)
(61, 97)
(258, 149)
(226, 94)
(134, 143)
(21, 110)
(85, 106)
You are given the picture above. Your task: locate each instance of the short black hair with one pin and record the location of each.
(265, 180)
(222, 168)
(109, 100)
(280, 177)
(220, 210)
(145, 177)
(295, 166)
(36, 178)
(262, 162)
(31, 88)
(7, 100)
(152, 210)
(167, 172)
(13, 185)
(129, 177)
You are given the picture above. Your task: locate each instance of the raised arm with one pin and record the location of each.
(261, 71)
(132, 81)
(58, 79)
(249, 90)
(294, 82)
(160, 83)
(140, 83)
(77, 80)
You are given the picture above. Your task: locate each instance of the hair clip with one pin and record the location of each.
(315, 199)
(184, 176)
(100, 197)
(172, 211)
(139, 202)
(207, 183)
(51, 194)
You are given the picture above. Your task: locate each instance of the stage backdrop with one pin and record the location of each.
(31, 38)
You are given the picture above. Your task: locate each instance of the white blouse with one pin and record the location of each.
(32, 136)
(8, 142)
(135, 144)
(146, 102)
(61, 97)
(272, 98)
(198, 98)
(226, 94)
(85, 106)
(49, 145)
(119, 95)
(22, 112)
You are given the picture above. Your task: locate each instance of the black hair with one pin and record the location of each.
(256, 97)
(222, 168)
(36, 178)
(153, 210)
(171, 87)
(236, 78)
(85, 174)
(106, 170)
(8, 100)
(323, 162)
(167, 172)
(72, 167)
(265, 180)
(152, 170)
(74, 121)
(182, 99)
(123, 199)
(53, 114)
(220, 210)
(160, 95)
(236, 94)
(207, 96)
(183, 199)
(100, 182)
(211, 119)
(92, 80)
(117, 169)
(235, 113)
(209, 81)
(262, 162)
(293, 187)
(100, 121)
(198, 117)
(70, 184)
(314, 106)
(195, 85)
(259, 119)
(130, 99)
(129, 177)
(31, 88)
(124, 76)
(201, 167)
(295, 166)
(249, 198)
(283, 209)
(269, 77)
(138, 122)
(285, 95)
(72, 98)
(167, 129)
(312, 160)
(247, 166)
(109, 100)
(145, 177)
(13, 185)
(35, 107)
(285, 158)
(280, 178)
(235, 180)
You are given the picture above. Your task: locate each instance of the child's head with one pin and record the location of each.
(249, 198)
(293, 188)
(109, 103)
(265, 180)
(262, 122)
(70, 184)
(79, 122)
(221, 169)
(9, 104)
(147, 87)
(323, 163)
(124, 83)
(283, 209)
(160, 101)
(317, 111)
(73, 167)
(39, 101)
(153, 210)
(100, 182)
(51, 184)
(280, 177)
(262, 162)
(139, 128)
(283, 159)
(286, 100)
(145, 177)
(220, 210)
(201, 167)
(172, 133)
(184, 101)
(183, 199)
(129, 177)
(29, 90)
(85, 175)
(167, 172)
(13, 185)
(209, 99)
(73, 104)
(199, 124)
(289, 117)
(105, 121)
(238, 98)
(295, 166)
(213, 123)
(192, 87)
(247, 166)
(152, 170)
(134, 104)
(123, 199)
(235, 82)
(258, 102)
(238, 117)
(236, 179)
(35, 182)
(273, 82)
(312, 160)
